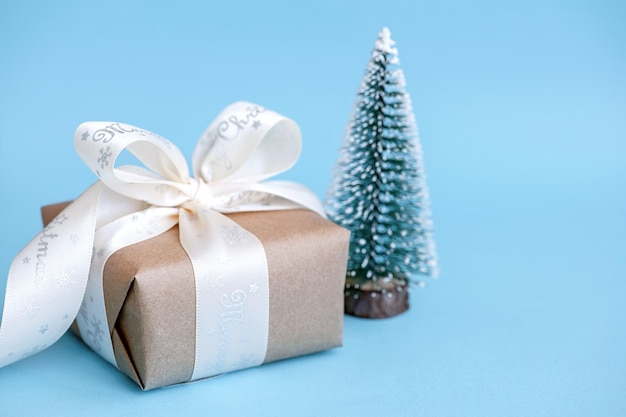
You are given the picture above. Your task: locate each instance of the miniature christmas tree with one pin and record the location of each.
(379, 192)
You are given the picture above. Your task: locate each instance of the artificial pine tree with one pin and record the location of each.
(379, 192)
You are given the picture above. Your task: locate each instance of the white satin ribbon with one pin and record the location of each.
(58, 276)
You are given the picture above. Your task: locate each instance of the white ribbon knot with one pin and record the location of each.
(201, 193)
(58, 276)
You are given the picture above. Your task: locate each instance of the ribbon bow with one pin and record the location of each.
(58, 276)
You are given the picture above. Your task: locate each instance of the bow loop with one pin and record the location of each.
(246, 142)
(161, 178)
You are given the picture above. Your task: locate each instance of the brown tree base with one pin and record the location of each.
(378, 302)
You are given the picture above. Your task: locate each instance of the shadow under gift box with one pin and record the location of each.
(149, 291)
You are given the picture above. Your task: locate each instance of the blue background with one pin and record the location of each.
(521, 109)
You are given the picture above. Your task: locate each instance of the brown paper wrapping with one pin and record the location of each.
(149, 292)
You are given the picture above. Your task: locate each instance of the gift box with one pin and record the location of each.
(149, 294)
(172, 274)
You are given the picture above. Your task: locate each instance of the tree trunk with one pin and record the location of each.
(373, 301)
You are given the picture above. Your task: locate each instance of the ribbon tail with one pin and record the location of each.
(47, 280)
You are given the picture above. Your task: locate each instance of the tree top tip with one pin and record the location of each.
(384, 42)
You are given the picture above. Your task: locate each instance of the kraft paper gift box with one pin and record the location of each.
(150, 296)
(173, 274)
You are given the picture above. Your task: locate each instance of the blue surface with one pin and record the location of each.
(521, 111)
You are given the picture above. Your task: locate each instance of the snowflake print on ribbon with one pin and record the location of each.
(64, 279)
(214, 283)
(29, 308)
(95, 333)
(234, 235)
(105, 155)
